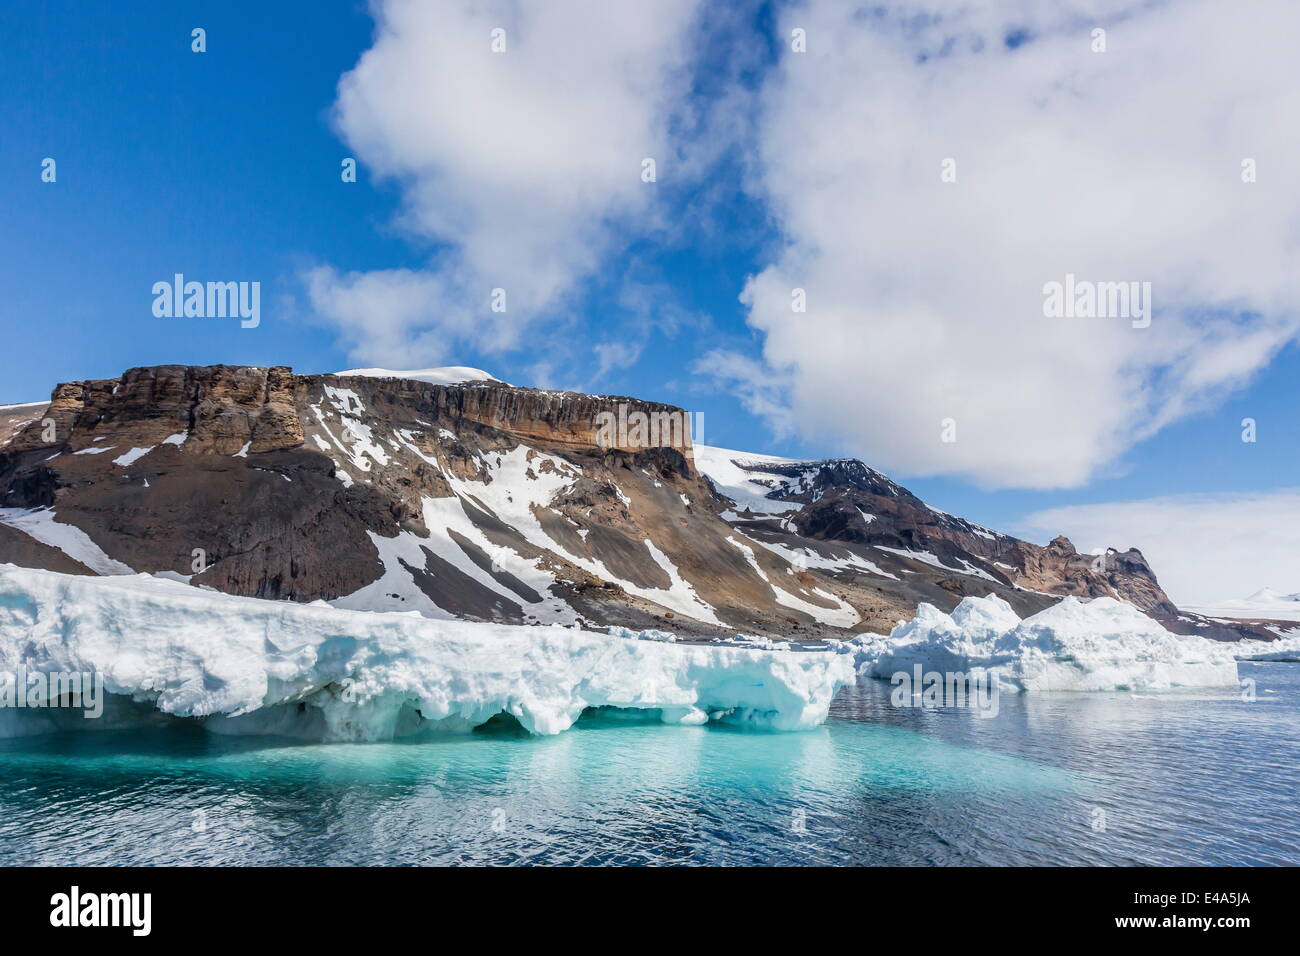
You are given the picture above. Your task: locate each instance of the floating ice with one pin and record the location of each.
(246, 665)
(1102, 644)
(1286, 648)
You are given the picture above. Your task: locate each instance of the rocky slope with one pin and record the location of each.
(455, 495)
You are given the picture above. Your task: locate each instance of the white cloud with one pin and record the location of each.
(525, 165)
(925, 297)
(614, 355)
(756, 388)
(1203, 548)
(390, 314)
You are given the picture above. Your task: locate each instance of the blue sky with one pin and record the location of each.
(225, 165)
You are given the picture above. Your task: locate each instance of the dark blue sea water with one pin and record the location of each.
(1179, 778)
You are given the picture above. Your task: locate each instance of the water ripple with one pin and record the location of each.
(1181, 779)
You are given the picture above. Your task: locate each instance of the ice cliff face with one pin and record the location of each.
(244, 665)
(1102, 644)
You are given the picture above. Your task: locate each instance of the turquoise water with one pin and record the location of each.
(1180, 778)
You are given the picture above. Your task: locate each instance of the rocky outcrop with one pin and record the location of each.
(845, 500)
(1060, 569)
(219, 408)
(557, 419)
(15, 418)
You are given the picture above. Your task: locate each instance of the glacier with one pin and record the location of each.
(1098, 645)
(251, 666)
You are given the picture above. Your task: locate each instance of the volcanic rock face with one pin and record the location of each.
(843, 500)
(265, 483)
(483, 501)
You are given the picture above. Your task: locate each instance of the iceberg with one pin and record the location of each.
(247, 665)
(1097, 645)
(1285, 648)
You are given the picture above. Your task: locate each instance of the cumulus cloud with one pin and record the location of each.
(1204, 548)
(523, 166)
(925, 297)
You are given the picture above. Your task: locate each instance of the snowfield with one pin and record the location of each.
(1265, 604)
(446, 375)
(748, 489)
(1099, 645)
(246, 665)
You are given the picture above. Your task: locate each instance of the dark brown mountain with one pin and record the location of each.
(476, 499)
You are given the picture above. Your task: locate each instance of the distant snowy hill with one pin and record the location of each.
(1264, 604)
(446, 375)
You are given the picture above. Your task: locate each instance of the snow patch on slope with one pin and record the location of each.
(926, 557)
(39, 523)
(524, 480)
(397, 589)
(806, 557)
(680, 594)
(357, 442)
(746, 488)
(842, 615)
(132, 456)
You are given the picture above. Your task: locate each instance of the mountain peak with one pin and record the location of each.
(1268, 594)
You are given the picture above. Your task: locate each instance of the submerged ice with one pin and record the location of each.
(245, 665)
(1102, 644)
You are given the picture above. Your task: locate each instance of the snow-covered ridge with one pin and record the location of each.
(446, 375)
(245, 665)
(1102, 644)
(748, 489)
